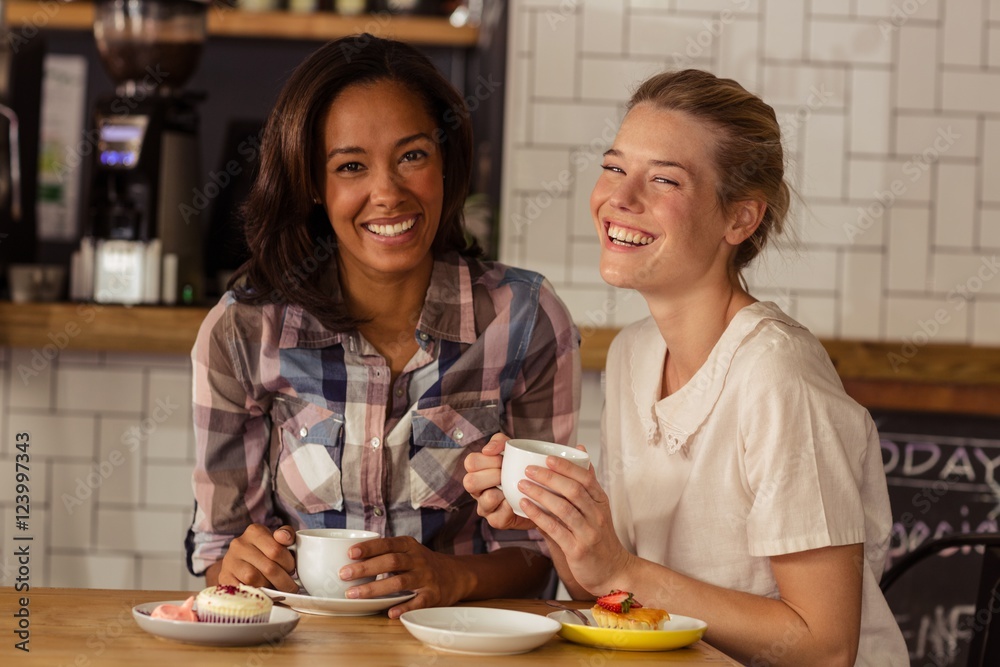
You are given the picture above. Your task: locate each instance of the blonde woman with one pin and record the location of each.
(739, 483)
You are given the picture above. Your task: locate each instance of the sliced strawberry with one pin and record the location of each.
(618, 602)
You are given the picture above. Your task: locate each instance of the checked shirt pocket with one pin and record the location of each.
(307, 474)
(442, 437)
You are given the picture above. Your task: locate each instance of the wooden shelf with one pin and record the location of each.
(229, 22)
(92, 326)
(937, 378)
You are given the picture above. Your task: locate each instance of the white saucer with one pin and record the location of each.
(215, 634)
(308, 604)
(479, 630)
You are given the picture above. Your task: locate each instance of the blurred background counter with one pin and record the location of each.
(227, 21)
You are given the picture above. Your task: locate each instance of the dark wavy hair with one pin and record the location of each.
(287, 232)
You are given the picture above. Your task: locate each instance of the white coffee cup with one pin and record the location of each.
(320, 553)
(520, 453)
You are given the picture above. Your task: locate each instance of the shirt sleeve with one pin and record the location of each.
(805, 443)
(618, 390)
(545, 402)
(231, 479)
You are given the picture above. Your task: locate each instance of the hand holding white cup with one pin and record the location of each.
(320, 553)
(519, 453)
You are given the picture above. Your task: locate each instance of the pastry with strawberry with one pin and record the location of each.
(621, 611)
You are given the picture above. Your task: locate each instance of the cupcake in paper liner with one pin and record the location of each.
(233, 604)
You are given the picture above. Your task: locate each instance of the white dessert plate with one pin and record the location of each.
(282, 622)
(308, 604)
(479, 630)
(678, 632)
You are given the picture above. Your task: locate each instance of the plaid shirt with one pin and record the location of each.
(296, 424)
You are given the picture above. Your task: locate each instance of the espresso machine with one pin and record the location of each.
(21, 67)
(145, 231)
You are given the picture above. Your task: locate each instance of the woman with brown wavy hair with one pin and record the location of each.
(365, 350)
(739, 483)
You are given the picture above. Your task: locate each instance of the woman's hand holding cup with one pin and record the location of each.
(261, 558)
(323, 555)
(482, 481)
(521, 453)
(493, 476)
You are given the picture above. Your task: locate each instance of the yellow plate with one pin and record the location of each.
(678, 632)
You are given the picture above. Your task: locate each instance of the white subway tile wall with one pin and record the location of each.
(92, 388)
(31, 385)
(560, 48)
(962, 42)
(783, 30)
(832, 7)
(909, 247)
(920, 320)
(891, 121)
(990, 174)
(821, 311)
(989, 227)
(861, 286)
(917, 132)
(871, 111)
(98, 570)
(985, 316)
(111, 456)
(121, 459)
(955, 205)
(917, 66)
(603, 27)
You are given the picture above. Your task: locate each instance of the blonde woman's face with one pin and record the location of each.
(655, 207)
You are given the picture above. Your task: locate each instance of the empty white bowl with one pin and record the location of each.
(479, 630)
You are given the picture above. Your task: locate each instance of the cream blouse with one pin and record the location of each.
(760, 454)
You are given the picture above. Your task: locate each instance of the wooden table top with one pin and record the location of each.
(87, 628)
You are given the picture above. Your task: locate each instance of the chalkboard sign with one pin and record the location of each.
(943, 478)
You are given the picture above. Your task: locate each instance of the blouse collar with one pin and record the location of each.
(674, 419)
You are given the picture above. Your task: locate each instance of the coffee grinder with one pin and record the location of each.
(145, 235)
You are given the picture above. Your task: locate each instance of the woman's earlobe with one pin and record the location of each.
(748, 218)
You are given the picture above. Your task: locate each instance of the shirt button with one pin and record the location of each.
(458, 434)
(399, 392)
(303, 432)
(378, 511)
(423, 336)
(375, 442)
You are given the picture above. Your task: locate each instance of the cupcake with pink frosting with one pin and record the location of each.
(233, 604)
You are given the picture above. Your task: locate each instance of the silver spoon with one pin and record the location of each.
(576, 612)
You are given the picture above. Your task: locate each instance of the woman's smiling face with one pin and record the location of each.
(384, 184)
(655, 205)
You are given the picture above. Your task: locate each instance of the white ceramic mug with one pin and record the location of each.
(320, 553)
(520, 453)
